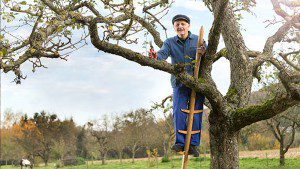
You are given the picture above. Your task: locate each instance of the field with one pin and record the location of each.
(194, 163)
(248, 160)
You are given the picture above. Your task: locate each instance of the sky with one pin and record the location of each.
(92, 83)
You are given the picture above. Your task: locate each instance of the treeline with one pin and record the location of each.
(135, 134)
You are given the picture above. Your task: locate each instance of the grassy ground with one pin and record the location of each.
(194, 163)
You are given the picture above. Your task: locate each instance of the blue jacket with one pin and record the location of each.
(180, 52)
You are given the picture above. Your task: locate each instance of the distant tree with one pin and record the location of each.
(284, 130)
(39, 135)
(65, 140)
(91, 145)
(81, 148)
(10, 150)
(151, 137)
(135, 129)
(27, 135)
(118, 137)
(99, 130)
(165, 124)
(48, 130)
(282, 126)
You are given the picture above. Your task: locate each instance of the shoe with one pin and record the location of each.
(193, 151)
(177, 148)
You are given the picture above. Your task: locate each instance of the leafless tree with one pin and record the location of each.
(165, 125)
(118, 137)
(100, 131)
(284, 129)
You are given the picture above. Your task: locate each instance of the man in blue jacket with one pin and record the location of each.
(182, 49)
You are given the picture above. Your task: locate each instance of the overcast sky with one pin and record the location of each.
(93, 83)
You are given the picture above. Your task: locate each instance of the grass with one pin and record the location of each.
(194, 163)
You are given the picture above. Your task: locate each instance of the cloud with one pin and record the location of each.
(90, 83)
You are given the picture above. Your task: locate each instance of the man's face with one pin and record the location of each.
(181, 27)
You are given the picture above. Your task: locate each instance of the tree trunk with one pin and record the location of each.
(133, 154)
(223, 144)
(120, 157)
(282, 159)
(103, 157)
(165, 148)
(46, 161)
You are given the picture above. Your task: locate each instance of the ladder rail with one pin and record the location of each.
(192, 102)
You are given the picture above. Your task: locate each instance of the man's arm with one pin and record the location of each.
(164, 51)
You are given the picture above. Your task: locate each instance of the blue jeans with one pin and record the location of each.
(181, 99)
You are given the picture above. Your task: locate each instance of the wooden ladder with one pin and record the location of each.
(192, 110)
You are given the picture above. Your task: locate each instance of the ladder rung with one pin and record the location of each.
(192, 132)
(180, 152)
(188, 111)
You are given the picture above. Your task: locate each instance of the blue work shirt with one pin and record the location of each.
(180, 52)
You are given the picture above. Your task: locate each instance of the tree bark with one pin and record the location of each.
(282, 158)
(103, 157)
(223, 144)
(46, 162)
(120, 157)
(133, 154)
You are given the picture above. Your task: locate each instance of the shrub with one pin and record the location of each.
(73, 161)
(80, 161)
(165, 159)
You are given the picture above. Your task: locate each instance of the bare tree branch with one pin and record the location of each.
(284, 56)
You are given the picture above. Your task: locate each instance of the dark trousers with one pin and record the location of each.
(181, 99)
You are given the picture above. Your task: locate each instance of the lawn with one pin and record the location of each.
(194, 163)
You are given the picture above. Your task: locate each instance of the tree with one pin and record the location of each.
(45, 134)
(99, 130)
(65, 140)
(284, 130)
(10, 150)
(47, 130)
(81, 148)
(26, 134)
(51, 36)
(165, 125)
(135, 128)
(91, 146)
(118, 137)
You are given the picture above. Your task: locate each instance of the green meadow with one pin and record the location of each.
(194, 163)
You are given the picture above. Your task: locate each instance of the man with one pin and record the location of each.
(182, 48)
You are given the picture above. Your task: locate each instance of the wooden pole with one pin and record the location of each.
(192, 102)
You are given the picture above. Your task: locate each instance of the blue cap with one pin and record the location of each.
(180, 17)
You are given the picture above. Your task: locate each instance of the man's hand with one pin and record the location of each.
(201, 50)
(152, 53)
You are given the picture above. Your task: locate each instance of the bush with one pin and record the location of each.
(9, 162)
(74, 161)
(165, 159)
(80, 161)
(199, 159)
(70, 161)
